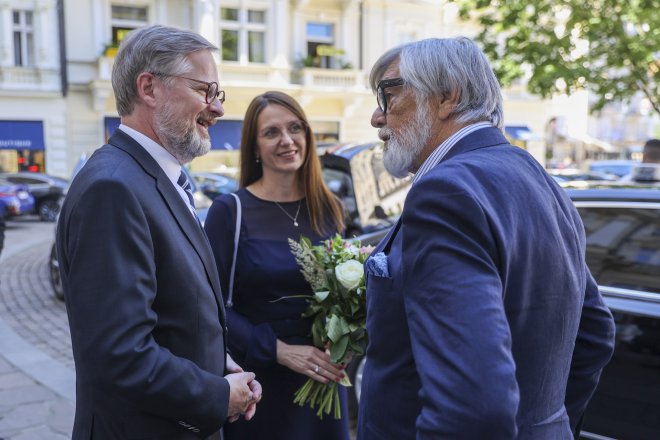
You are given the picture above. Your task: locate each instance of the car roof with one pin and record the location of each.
(615, 191)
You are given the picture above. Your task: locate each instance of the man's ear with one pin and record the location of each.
(146, 88)
(445, 105)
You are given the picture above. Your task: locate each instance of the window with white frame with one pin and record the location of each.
(320, 38)
(126, 18)
(23, 38)
(243, 31)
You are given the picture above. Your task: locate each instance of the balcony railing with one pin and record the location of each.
(331, 78)
(29, 79)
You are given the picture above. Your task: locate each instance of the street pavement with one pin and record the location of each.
(37, 379)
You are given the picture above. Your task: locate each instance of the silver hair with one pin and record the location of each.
(443, 67)
(156, 49)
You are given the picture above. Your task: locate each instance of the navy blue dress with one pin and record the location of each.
(266, 271)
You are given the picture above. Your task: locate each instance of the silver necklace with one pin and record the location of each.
(295, 217)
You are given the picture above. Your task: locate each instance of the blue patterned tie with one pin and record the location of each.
(187, 187)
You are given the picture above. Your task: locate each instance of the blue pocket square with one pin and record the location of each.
(377, 265)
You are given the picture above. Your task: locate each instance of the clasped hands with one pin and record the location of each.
(244, 392)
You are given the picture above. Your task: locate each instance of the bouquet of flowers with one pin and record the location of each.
(338, 308)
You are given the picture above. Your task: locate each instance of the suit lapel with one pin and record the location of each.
(385, 242)
(187, 222)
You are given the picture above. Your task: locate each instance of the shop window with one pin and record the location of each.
(243, 34)
(23, 38)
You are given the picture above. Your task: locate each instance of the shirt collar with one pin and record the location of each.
(441, 150)
(165, 160)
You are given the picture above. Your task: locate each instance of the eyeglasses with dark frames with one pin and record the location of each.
(380, 91)
(212, 89)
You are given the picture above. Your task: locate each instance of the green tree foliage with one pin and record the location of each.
(611, 47)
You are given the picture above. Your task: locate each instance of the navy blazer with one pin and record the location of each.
(143, 300)
(490, 324)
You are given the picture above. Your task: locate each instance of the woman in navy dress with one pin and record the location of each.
(282, 196)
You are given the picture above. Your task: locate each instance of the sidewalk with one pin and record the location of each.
(37, 381)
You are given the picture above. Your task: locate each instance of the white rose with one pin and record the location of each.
(349, 273)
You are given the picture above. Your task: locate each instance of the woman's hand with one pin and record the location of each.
(310, 361)
(232, 366)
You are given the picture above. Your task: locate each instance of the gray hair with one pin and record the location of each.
(443, 67)
(156, 49)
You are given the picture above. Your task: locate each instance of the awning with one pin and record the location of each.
(225, 134)
(22, 135)
(520, 133)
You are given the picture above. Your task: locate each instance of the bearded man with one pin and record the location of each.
(141, 286)
(484, 321)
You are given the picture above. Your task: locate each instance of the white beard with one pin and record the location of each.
(178, 137)
(403, 148)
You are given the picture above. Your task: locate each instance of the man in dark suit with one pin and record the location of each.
(141, 287)
(484, 321)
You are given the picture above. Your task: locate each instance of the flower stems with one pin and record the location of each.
(326, 396)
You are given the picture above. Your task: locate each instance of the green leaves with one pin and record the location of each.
(611, 47)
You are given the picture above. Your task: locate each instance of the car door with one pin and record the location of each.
(623, 253)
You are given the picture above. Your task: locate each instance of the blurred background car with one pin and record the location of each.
(572, 174)
(618, 168)
(46, 189)
(15, 199)
(215, 184)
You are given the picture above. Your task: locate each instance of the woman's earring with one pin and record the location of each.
(257, 159)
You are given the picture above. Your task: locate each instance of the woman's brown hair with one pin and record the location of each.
(325, 210)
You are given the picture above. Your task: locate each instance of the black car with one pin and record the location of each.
(622, 225)
(372, 198)
(46, 189)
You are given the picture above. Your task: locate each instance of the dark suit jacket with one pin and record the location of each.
(490, 325)
(144, 303)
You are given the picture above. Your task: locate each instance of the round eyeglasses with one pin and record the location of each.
(212, 89)
(381, 97)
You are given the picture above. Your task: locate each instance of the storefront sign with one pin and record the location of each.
(22, 135)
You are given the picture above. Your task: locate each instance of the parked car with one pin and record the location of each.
(622, 225)
(618, 168)
(372, 198)
(46, 189)
(215, 184)
(15, 199)
(572, 174)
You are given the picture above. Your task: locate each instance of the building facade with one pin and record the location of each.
(56, 56)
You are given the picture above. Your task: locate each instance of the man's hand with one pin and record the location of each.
(256, 394)
(244, 394)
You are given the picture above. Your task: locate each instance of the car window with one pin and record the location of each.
(623, 246)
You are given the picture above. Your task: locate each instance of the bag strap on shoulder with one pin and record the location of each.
(237, 234)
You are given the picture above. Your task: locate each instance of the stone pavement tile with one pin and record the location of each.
(25, 416)
(38, 433)
(26, 395)
(61, 417)
(5, 367)
(14, 379)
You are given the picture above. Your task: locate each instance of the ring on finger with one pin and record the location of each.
(316, 369)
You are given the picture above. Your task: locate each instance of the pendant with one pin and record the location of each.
(295, 224)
